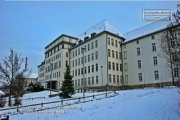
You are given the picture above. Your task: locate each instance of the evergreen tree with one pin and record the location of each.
(67, 85)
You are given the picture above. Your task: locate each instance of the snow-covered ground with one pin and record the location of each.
(139, 104)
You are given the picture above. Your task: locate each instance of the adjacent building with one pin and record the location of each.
(103, 56)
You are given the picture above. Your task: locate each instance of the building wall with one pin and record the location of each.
(57, 56)
(100, 47)
(148, 67)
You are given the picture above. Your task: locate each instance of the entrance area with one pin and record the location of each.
(53, 84)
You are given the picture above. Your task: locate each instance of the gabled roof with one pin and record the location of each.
(98, 28)
(145, 30)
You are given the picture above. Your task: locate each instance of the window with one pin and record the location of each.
(92, 56)
(108, 41)
(92, 45)
(155, 60)
(76, 52)
(88, 47)
(81, 60)
(75, 72)
(120, 67)
(73, 53)
(96, 44)
(125, 55)
(66, 63)
(120, 56)
(84, 70)
(78, 61)
(81, 71)
(140, 77)
(117, 67)
(109, 53)
(126, 79)
(113, 65)
(116, 54)
(152, 37)
(137, 42)
(138, 51)
(117, 78)
(174, 56)
(84, 59)
(73, 63)
(78, 82)
(176, 73)
(125, 66)
(114, 79)
(112, 42)
(79, 51)
(66, 54)
(92, 68)
(156, 75)
(139, 64)
(97, 80)
(97, 67)
(110, 78)
(78, 71)
(109, 65)
(116, 43)
(81, 82)
(92, 80)
(89, 82)
(154, 47)
(59, 64)
(88, 69)
(85, 48)
(112, 53)
(88, 58)
(96, 57)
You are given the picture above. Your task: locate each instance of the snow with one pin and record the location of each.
(1, 92)
(98, 28)
(148, 104)
(147, 29)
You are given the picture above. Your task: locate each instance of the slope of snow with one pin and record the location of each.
(98, 28)
(140, 104)
(147, 29)
(1, 92)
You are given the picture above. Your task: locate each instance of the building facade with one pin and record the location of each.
(105, 57)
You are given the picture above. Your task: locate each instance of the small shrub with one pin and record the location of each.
(2, 102)
(158, 85)
(17, 102)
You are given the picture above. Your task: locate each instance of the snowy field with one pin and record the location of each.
(139, 104)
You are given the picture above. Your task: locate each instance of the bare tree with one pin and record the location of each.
(12, 74)
(170, 45)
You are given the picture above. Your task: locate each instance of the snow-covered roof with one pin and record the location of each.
(1, 92)
(145, 30)
(98, 28)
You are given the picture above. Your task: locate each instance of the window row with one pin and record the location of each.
(54, 58)
(87, 58)
(89, 47)
(54, 75)
(114, 54)
(112, 42)
(86, 70)
(155, 62)
(115, 79)
(114, 66)
(88, 81)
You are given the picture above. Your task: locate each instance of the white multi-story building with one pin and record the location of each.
(107, 57)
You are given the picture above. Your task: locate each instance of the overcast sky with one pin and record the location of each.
(29, 26)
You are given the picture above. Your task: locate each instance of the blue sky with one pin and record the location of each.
(29, 26)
